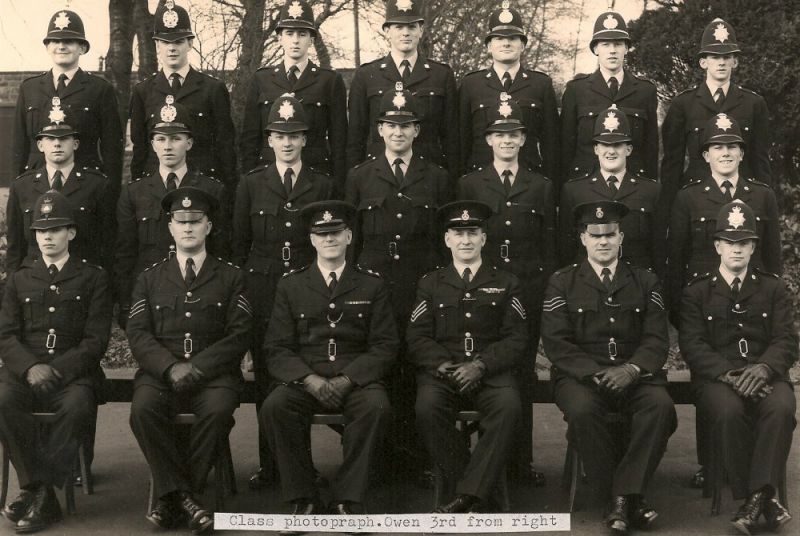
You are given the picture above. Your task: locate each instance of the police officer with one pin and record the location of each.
(188, 328)
(205, 97)
(54, 328)
(87, 191)
(738, 338)
(88, 100)
(143, 236)
(269, 238)
(467, 335)
(431, 82)
(683, 128)
(645, 226)
(604, 328)
(533, 91)
(331, 342)
(588, 95)
(320, 90)
(521, 239)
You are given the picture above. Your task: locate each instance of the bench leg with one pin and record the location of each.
(6, 474)
(151, 500)
(69, 494)
(86, 477)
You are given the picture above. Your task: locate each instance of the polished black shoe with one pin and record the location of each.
(617, 517)
(304, 507)
(698, 479)
(642, 516)
(746, 518)
(14, 510)
(200, 520)
(461, 504)
(166, 514)
(527, 474)
(776, 514)
(260, 479)
(346, 508)
(42, 511)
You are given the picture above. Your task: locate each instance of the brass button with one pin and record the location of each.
(188, 314)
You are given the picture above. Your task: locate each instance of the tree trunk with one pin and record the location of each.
(119, 57)
(323, 54)
(143, 25)
(252, 39)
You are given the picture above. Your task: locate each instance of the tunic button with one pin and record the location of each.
(51, 330)
(288, 224)
(764, 315)
(53, 287)
(332, 305)
(468, 354)
(399, 195)
(360, 315)
(508, 203)
(508, 222)
(737, 306)
(740, 325)
(27, 300)
(468, 295)
(703, 218)
(333, 325)
(396, 257)
(286, 264)
(399, 215)
(610, 299)
(189, 294)
(637, 310)
(332, 358)
(289, 204)
(260, 212)
(187, 356)
(468, 334)
(52, 309)
(710, 318)
(397, 237)
(506, 260)
(187, 335)
(611, 319)
(51, 352)
(188, 314)
(287, 244)
(580, 310)
(507, 241)
(77, 298)
(468, 315)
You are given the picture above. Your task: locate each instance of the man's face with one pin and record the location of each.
(602, 248)
(507, 50)
(398, 137)
(613, 157)
(611, 54)
(332, 246)
(735, 256)
(288, 146)
(190, 236)
(724, 158)
(719, 68)
(465, 243)
(58, 151)
(173, 54)
(404, 37)
(54, 243)
(171, 149)
(65, 53)
(506, 145)
(295, 43)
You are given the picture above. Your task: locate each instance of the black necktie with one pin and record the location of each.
(172, 182)
(507, 180)
(405, 65)
(190, 275)
(292, 75)
(398, 171)
(507, 81)
(58, 181)
(52, 270)
(287, 180)
(612, 184)
(727, 191)
(735, 288)
(467, 275)
(606, 277)
(719, 97)
(62, 85)
(175, 83)
(613, 86)
(333, 282)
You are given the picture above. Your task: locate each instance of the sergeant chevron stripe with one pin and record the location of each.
(553, 303)
(515, 303)
(420, 309)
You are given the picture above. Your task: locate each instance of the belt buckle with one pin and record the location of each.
(468, 344)
(392, 249)
(50, 343)
(286, 253)
(504, 251)
(612, 349)
(187, 346)
(331, 348)
(743, 348)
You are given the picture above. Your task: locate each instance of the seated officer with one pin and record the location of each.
(468, 333)
(54, 328)
(604, 328)
(330, 343)
(738, 339)
(189, 327)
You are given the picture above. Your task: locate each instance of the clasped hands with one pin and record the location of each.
(615, 380)
(183, 376)
(464, 377)
(750, 381)
(43, 378)
(330, 392)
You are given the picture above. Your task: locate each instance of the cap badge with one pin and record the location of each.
(168, 111)
(398, 86)
(295, 10)
(736, 218)
(504, 96)
(62, 21)
(721, 33)
(399, 101)
(598, 213)
(56, 114)
(186, 203)
(611, 122)
(505, 109)
(169, 99)
(170, 17)
(506, 4)
(465, 215)
(404, 5)
(286, 111)
(505, 16)
(169, 4)
(327, 217)
(47, 205)
(611, 22)
(723, 123)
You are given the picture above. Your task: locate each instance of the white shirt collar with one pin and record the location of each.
(713, 87)
(620, 76)
(412, 60)
(728, 276)
(66, 171)
(183, 71)
(406, 158)
(500, 167)
(283, 167)
(59, 264)
(198, 258)
(599, 269)
(500, 70)
(326, 274)
(70, 75)
(180, 173)
(474, 267)
(301, 66)
(734, 181)
(619, 176)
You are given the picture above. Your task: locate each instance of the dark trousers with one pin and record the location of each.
(285, 417)
(651, 413)
(436, 408)
(173, 467)
(48, 460)
(752, 438)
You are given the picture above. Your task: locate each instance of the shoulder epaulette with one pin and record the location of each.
(773, 275)
(747, 90)
(229, 263)
(376, 60)
(692, 182)
(367, 161)
(476, 71)
(698, 278)
(258, 168)
(92, 170)
(437, 62)
(642, 177)
(581, 177)
(756, 181)
(638, 77)
(566, 269)
(162, 261)
(367, 271)
(688, 90)
(296, 270)
(85, 262)
(581, 76)
(534, 71)
(25, 174)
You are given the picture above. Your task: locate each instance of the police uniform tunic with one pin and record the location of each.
(313, 331)
(533, 90)
(207, 324)
(458, 322)
(584, 98)
(89, 196)
(586, 329)
(323, 95)
(63, 321)
(721, 332)
(436, 103)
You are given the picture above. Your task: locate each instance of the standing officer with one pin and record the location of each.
(533, 91)
(738, 339)
(521, 240)
(588, 95)
(320, 90)
(604, 328)
(683, 128)
(467, 335)
(645, 226)
(87, 192)
(143, 237)
(54, 328)
(268, 235)
(432, 83)
(88, 100)
(331, 342)
(188, 328)
(205, 97)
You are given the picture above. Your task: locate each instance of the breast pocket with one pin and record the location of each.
(263, 221)
(587, 115)
(429, 102)
(637, 119)
(32, 119)
(480, 116)
(371, 215)
(529, 219)
(264, 106)
(638, 223)
(693, 132)
(71, 311)
(532, 116)
(85, 116)
(630, 315)
(448, 321)
(32, 304)
(163, 307)
(489, 312)
(317, 112)
(424, 213)
(581, 312)
(703, 229)
(148, 220)
(214, 314)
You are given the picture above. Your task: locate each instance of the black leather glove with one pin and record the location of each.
(616, 379)
(752, 379)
